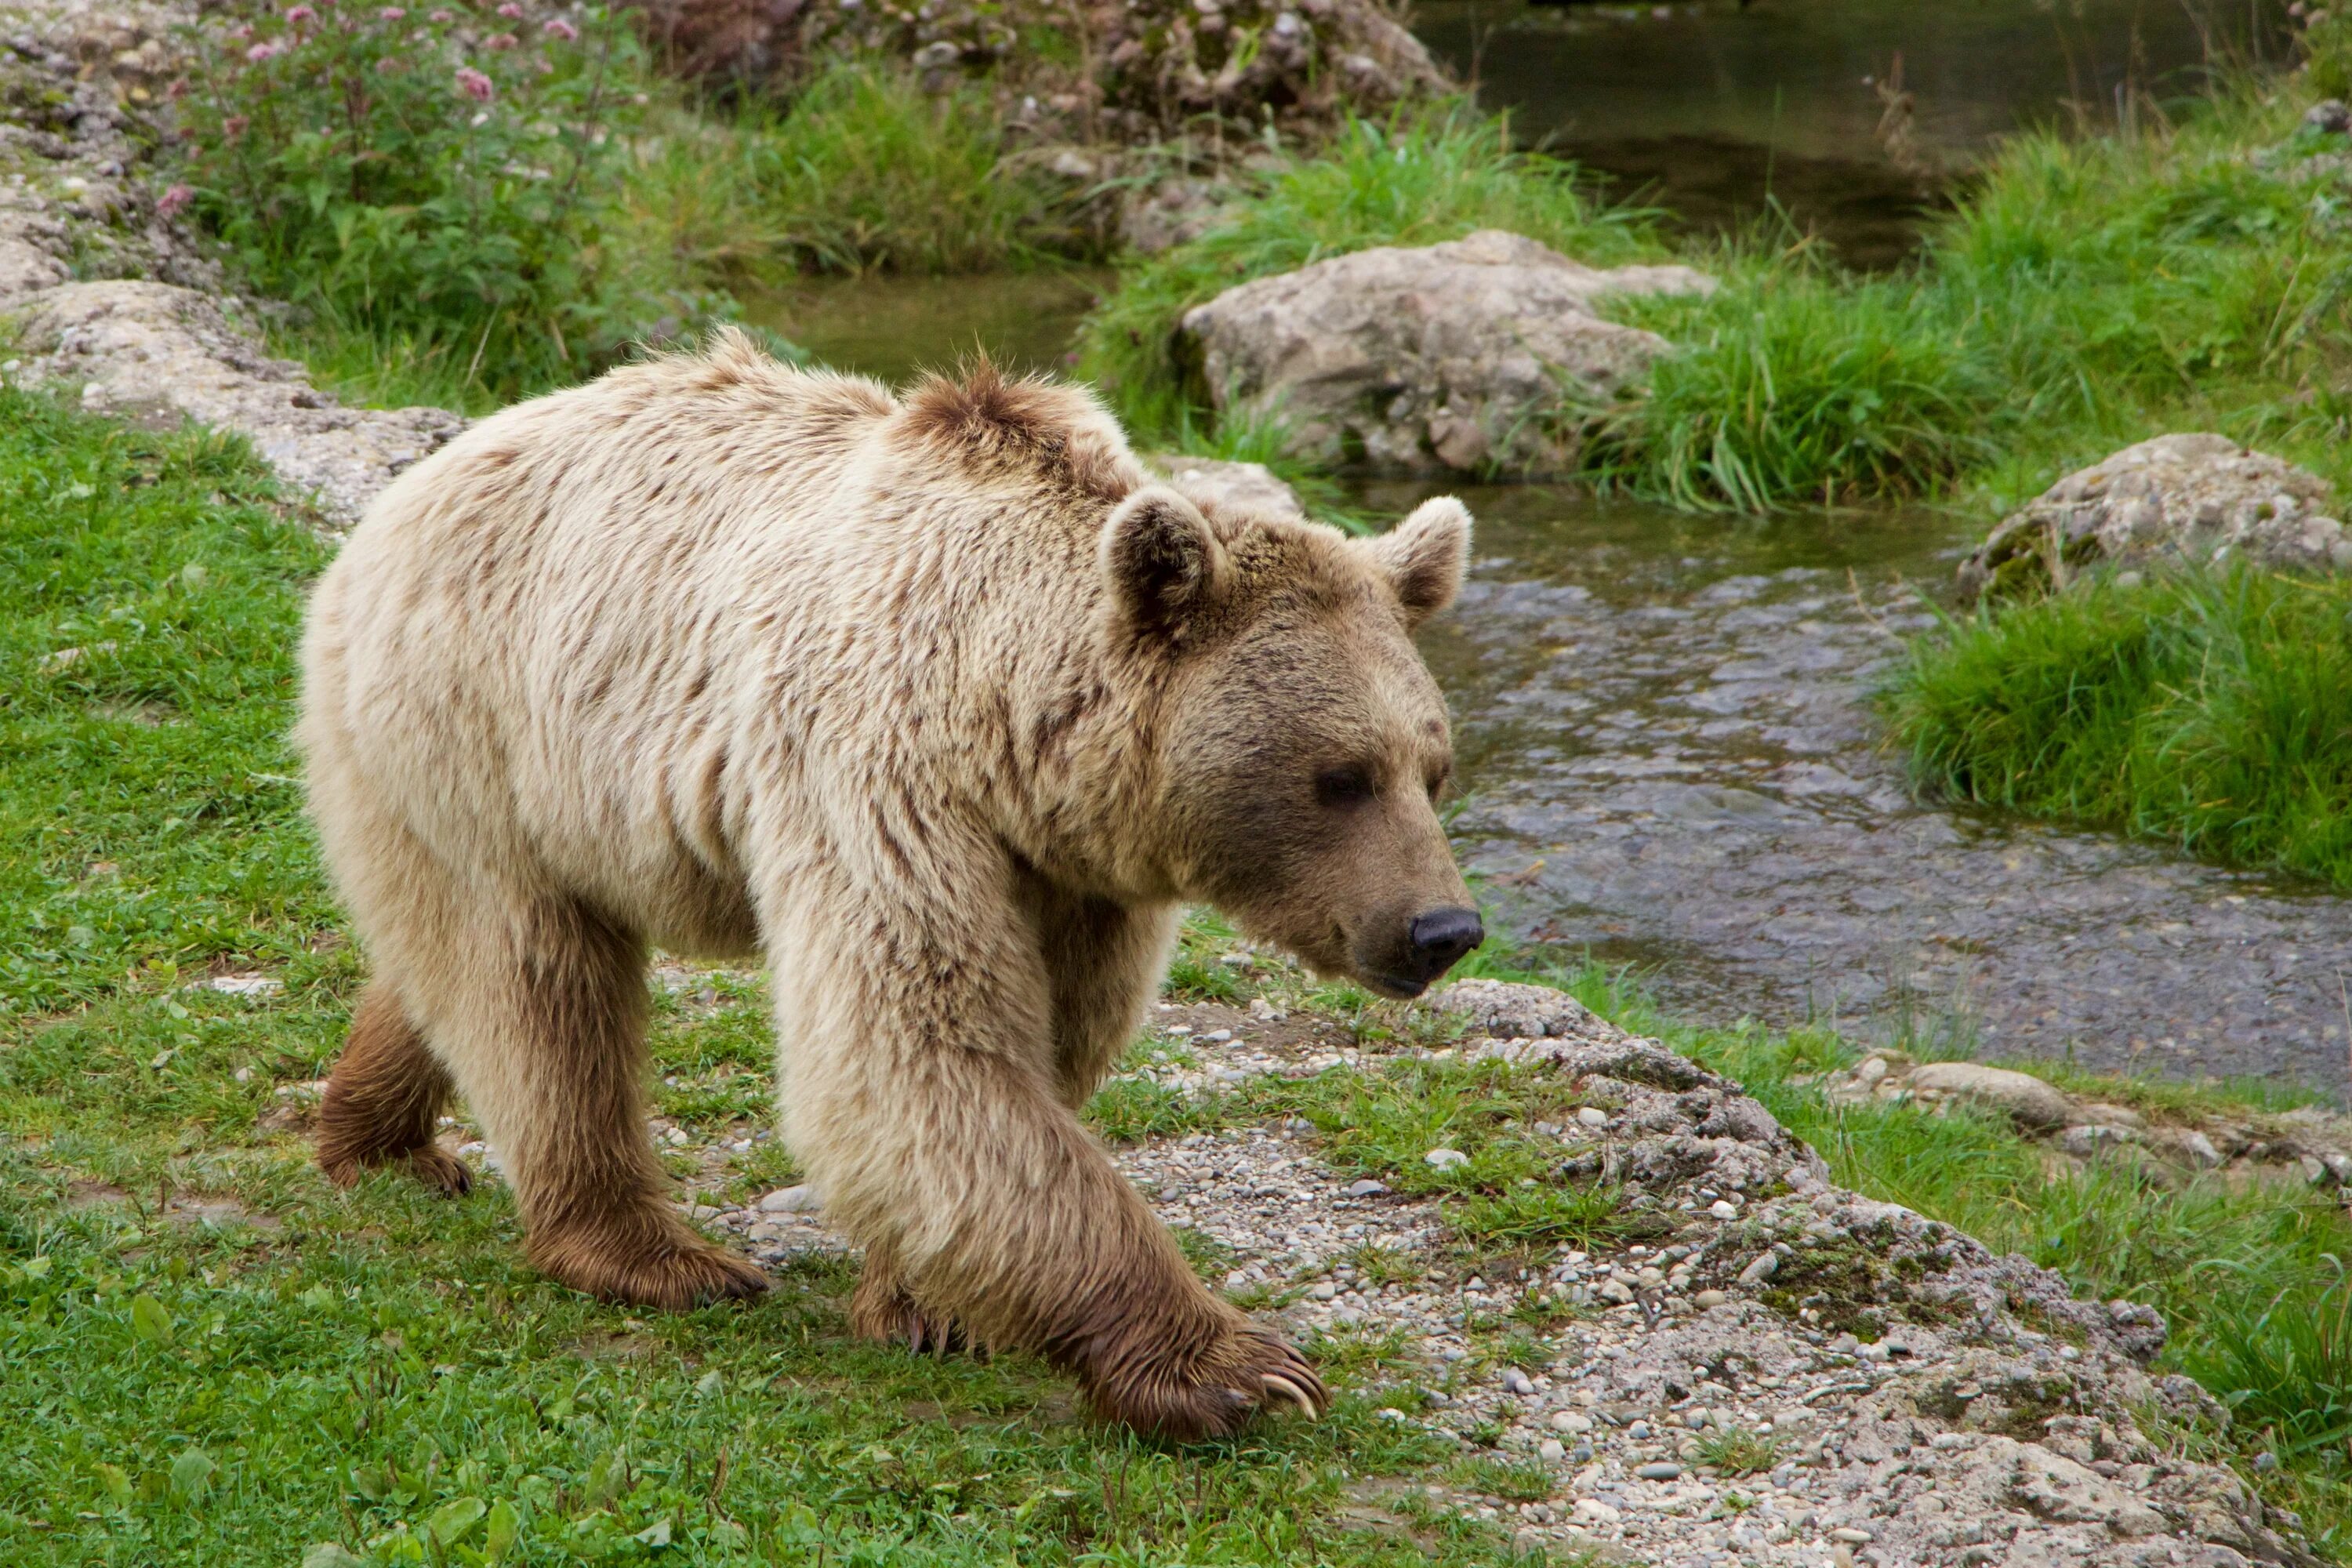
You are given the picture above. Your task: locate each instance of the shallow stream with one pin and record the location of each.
(1665, 722)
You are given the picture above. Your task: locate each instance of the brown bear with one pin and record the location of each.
(941, 706)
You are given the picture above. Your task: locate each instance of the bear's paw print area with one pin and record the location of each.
(1631, 1306)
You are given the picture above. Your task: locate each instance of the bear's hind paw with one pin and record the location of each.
(889, 1316)
(672, 1278)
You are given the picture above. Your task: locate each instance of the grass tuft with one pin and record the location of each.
(2210, 713)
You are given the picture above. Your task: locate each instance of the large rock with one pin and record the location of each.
(161, 354)
(2025, 1099)
(1470, 355)
(2197, 500)
(1221, 482)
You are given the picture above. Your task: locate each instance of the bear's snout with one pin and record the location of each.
(1440, 937)
(1431, 943)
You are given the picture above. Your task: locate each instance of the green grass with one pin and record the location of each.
(862, 171)
(1424, 176)
(294, 1365)
(2213, 714)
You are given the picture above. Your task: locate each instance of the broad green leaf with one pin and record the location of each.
(151, 1320)
(450, 1521)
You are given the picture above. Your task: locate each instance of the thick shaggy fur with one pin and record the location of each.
(941, 706)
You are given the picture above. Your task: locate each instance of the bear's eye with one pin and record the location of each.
(1350, 785)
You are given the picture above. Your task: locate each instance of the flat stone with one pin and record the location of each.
(2027, 1100)
(1446, 1159)
(1216, 484)
(1663, 1470)
(802, 1199)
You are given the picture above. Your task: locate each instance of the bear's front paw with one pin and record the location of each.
(1191, 1391)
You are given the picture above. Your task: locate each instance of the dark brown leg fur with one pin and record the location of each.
(382, 1102)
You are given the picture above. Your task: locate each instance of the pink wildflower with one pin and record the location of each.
(443, 16)
(473, 84)
(386, 66)
(234, 126)
(241, 32)
(392, 13)
(511, 11)
(557, 27)
(172, 200)
(500, 41)
(264, 51)
(299, 14)
(178, 90)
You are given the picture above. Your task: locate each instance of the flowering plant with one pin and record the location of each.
(434, 175)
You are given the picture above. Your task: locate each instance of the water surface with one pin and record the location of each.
(1718, 109)
(1665, 728)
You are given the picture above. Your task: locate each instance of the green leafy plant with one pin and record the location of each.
(430, 181)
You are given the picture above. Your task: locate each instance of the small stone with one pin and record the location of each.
(1366, 1189)
(1664, 1470)
(1849, 1536)
(1764, 1266)
(802, 1199)
(1721, 1209)
(1591, 1116)
(2329, 117)
(1570, 1421)
(1706, 1299)
(1614, 1290)
(1446, 1159)
(1551, 1450)
(1218, 1037)
(1322, 1290)
(1517, 1382)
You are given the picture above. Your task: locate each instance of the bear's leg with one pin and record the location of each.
(545, 1025)
(1103, 964)
(382, 1102)
(921, 1090)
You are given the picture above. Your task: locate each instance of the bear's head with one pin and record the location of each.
(1301, 745)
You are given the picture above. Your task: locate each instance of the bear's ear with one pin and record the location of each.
(1163, 562)
(1424, 557)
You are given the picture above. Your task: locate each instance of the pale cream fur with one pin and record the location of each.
(926, 703)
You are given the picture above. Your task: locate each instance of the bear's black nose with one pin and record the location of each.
(1440, 937)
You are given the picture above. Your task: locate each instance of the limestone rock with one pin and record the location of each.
(1464, 356)
(1509, 1011)
(1240, 487)
(158, 353)
(2026, 1098)
(2191, 500)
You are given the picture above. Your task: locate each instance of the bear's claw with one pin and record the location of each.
(1251, 1370)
